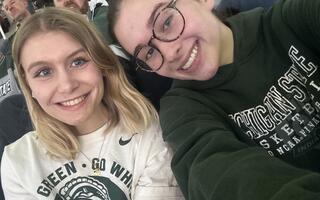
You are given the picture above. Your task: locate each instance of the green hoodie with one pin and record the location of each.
(99, 18)
(252, 131)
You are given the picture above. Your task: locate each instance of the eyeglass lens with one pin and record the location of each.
(168, 26)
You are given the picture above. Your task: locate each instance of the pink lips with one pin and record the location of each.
(191, 60)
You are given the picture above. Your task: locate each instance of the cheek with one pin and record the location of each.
(41, 92)
(80, 3)
(95, 79)
(166, 71)
(100, 84)
(21, 7)
(41, 97)
(98, 89)
(94, 75)
(58, 4)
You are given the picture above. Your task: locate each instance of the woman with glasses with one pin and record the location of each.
(96, 137)
(244, 118)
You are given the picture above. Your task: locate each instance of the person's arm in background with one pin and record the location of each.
(210, 162)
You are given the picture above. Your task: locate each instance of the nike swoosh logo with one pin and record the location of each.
(123, 142)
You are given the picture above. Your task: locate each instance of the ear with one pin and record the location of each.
(209, 4)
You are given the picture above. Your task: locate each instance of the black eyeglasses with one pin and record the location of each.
(167, 27)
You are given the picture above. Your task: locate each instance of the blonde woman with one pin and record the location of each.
(95, 136)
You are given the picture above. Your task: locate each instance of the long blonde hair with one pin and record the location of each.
(124, 103)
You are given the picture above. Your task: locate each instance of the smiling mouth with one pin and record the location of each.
(72, 6)
(192, 57)
(74, 101)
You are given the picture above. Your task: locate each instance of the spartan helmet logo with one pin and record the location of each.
(84, 188)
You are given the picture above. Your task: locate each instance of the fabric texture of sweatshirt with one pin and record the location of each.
(130, 165)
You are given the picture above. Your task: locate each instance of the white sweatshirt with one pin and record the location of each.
(132, 166)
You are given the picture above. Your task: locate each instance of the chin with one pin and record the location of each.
(204, 76)
(209, 74)
(73, 121)
(208, 77)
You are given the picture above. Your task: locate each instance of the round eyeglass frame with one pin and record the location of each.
(141, 64)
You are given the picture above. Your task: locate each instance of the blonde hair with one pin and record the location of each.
(124, 103)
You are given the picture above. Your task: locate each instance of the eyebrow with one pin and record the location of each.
(37, 63)
(154, 12)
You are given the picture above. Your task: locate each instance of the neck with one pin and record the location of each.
(97, 120)
(227, 45)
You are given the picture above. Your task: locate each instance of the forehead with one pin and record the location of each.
(132, 19)
(6, 2)
(79, 2)
(46, 38)
(44, 45)
(135, 9)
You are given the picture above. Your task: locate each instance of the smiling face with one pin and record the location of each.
(16, 9)
(64, 80)
(205, 44)
(79, 5)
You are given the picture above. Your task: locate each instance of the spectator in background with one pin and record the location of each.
(14, 105)
(17, 10)
(5, 24)
(96, 12)
(14, 118)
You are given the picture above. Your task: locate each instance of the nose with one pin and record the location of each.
(10, 6)
(171, 51)
(67, 83)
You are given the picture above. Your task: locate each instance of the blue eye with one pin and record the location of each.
(167, 23)
(43, 72)
(78, 62)
(150, 53)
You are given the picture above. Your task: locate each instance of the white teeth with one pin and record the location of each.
(193, 55)
(73, 101)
